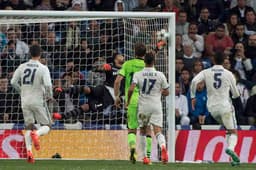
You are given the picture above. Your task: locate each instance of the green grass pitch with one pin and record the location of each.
(113, 165)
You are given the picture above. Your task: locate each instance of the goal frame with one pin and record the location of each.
(171, 133)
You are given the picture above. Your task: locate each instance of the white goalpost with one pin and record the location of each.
(75, 45)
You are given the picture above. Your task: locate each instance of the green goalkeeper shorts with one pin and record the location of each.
(132, 120)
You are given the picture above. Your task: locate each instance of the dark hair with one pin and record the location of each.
(149, 58)
(239, 24)
(10, 29)
(10, 42)
(35, 51)
(220, 26)
(203, 8)
(183, 11)
(140, 50)
(249, 10)
(192, 23)
(219, 58)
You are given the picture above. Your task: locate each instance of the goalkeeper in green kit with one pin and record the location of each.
(127, 71)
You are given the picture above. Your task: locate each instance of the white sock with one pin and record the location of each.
(143, 145)
(161, 140)
(28, 140)
(232, 141)
(43, 130)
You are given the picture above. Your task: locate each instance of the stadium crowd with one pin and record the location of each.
(85, 53)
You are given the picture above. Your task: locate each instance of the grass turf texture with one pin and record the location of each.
(113, 165)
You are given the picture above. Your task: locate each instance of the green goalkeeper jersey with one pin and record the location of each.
(127, 71)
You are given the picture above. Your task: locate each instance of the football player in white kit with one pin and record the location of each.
(32, 80)
(152, 85)
(219, 83)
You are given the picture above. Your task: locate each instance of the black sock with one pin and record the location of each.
(73, 113)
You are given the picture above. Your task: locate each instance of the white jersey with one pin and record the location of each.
(219, 83)
(33, 81)
(150, 83)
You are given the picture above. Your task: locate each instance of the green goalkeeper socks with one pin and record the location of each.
(149, 141)
(132, 140)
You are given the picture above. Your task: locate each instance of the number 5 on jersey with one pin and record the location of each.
(217, 80)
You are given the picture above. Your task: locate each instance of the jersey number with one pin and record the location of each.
(217, 81)
(29, 76)
(146, 89)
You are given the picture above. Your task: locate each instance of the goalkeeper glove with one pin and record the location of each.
(107, 67)
(57, 116)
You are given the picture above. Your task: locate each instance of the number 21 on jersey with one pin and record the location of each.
(29, 75)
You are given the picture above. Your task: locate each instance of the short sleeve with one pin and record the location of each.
(165, 84)
(135, 79)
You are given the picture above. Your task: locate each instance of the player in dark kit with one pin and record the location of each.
(99, 97)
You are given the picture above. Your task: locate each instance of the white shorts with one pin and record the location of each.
(148, 114)
(36, 114)
(227, 119)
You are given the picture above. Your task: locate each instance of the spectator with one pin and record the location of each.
(197, 67)
(93, 34)
(16, 4)
(227, 64)
(76, 5)
(230, 25)
(44, 5)
(119, 6)
(195, 40)
(240, 62)
(250, 110)
(141, 34)
(181, 107)
(188, 57)
(106, 46)
(240, 10)
(239, 35)
(82, 55)
(60, 5)
(5, 110)
(21, 47)
(3, 38)
(54, 53)
(170, 7)
(185, 79)
(190, 7)
(178, 46)
(9, 103)
(218, 42)
(130, 4)
(250, 22)
(143, 6)
(216, 8)
(200, 114)
(243, 90)
(250, 49)
(182, 24)
(72, 35)
(9, 60)
(205, 25)
(179, 66)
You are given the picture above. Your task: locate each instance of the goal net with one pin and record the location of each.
(75, 46)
